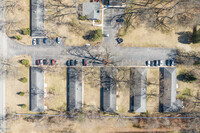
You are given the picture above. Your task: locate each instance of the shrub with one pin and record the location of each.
(184, 94)
(24, 80)
(18, 37)
(81, 18)
(196, 36)
(24, 106)
(98, 21)
(25, 62)
(21, 93)
(74, 22)
(95, 35)
(186, 77)
(86, 17)
(26, 31)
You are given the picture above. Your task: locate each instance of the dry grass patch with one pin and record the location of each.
(123, 91)
(14, 86)
(91, 88)
(62, 20)
(18, 17)
(153, 90)
(55, 78)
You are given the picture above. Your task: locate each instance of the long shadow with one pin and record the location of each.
(184, 37)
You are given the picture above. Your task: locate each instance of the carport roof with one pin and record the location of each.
(36, 89)
(168, 82)
(74, 88)
(108, 88)
(92, 9)
(138, 77)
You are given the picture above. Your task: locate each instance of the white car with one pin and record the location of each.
(34, 41)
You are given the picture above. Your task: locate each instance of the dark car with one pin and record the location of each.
(75, 62)
(37, 62)
(45, 62)
(45, 40)
(84, 62)
(58, 40)
(37, 41)
(53, 62)
(155, 63)
(68, 63)
(120, 20)
(71, 62)
(168, 63)
(119, 40)
(160, 63)
(148, 63)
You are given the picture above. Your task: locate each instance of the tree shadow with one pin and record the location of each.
(184, 37)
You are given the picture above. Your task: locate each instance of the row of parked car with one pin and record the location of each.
(51, 62)
(75, 62)
(37, 40)
(156, 63)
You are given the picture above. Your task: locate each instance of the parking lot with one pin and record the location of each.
(48, 41)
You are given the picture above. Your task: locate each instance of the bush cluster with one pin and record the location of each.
(24, 80)
(95, 35)
(83, 17)
(186, 77)
(18, 37)
(25, 62)
(26, 31)
(196, 36)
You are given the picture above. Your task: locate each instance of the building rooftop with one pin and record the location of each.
(138, 86)
(92, 9)
(37, 18)
(74, 88)
(36, 89)
(108, 89)
(168, 81)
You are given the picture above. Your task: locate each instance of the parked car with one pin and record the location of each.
(87, 45)
(71, 62)
(84, 62)
(106, 35)
(68, 63)
(172, 63)
(45, 62)
(45, 40)
(168, 63)
(37, 62)
(148, 63)
(37, 40)
(120, 20)
(75, 62)
(58, 40)
(53, 62)
(41, 62)
(34, 41)
(160, 63)
(155, 63)
(119, 40)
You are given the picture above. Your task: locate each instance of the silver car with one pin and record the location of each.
(34, 41)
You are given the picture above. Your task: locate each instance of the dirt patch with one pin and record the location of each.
(14, 86)
(55, 80)
(91, 89)
(18, 17)
(153, 90)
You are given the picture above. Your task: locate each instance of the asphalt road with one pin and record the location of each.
(3, 55)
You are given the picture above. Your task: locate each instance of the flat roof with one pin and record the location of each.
(37, 18)
(74, 88)
(36, 89)
(138, 88)
(92, 9)
(108, 88)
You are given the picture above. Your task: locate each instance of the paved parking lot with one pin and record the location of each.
(49, 41)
